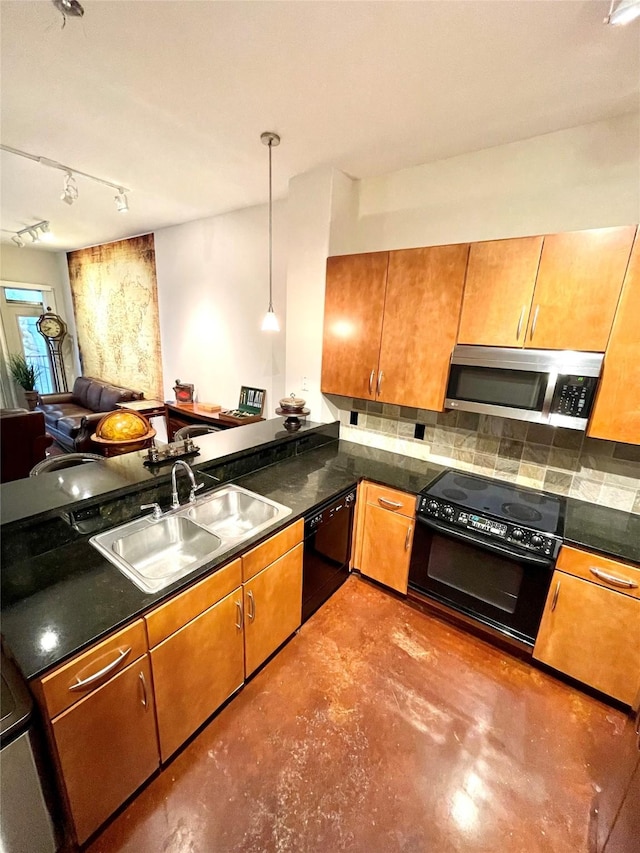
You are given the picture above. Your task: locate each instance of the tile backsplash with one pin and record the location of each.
(541, 457)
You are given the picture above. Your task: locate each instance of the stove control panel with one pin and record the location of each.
(523, 537)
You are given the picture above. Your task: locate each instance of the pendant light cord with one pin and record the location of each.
(270, 234)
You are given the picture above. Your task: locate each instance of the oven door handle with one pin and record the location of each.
(531, 559)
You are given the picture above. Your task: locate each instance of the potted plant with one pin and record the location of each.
(25, 375)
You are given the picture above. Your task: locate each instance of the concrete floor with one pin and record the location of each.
(379, 728)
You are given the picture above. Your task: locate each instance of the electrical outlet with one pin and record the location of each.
(305, 384)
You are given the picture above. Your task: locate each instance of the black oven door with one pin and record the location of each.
(485, 582)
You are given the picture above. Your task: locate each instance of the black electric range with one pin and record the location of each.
(486, 548)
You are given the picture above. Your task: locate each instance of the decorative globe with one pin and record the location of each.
(123, 425)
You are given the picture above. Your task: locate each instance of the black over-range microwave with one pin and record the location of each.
(544, 386)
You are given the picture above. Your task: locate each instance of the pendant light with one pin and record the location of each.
(270, 322)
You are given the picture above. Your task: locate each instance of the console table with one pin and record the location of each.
(185, 414)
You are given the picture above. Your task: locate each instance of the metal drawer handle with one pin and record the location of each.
(533, 325)
(91, 679)
(387, 502)
(614, 580)
(408, 537)
(252, 606)
(519, 329)
(144, 690)
(239, 622)
(371, 375)
(380, 375)
(555, 597)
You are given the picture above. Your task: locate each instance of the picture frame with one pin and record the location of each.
(183, 391)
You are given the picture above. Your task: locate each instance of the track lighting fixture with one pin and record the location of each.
(622, 12)
(70, 192)
(38, 232)
(122, 204)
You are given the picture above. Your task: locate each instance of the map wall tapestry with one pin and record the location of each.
(115, 299)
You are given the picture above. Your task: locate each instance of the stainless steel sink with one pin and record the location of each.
(154, 553)
(234, 513)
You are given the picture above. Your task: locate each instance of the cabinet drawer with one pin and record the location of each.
(70, 682)
(267, 552)
(391, 499)
(601, 570)
(169, 617)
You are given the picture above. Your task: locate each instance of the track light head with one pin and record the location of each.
(122, 204)
(17, 239)
(622, 12)
(70, 191)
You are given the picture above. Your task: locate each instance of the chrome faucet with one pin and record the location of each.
(175, 500)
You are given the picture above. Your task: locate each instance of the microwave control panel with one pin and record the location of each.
(573, 395)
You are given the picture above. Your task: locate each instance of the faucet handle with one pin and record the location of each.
(157, 510)
(194, 489)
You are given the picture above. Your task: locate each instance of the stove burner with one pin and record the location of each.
(454, 494)
(469, 484)
(521, 512)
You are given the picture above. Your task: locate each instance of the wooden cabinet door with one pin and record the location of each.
(386, 547)
(422, 310)
(196, 669)
(592, 634)
(272, 607)
(616, 415)
(107, 746)
(354, 304)
(501, 276)
(577, 288)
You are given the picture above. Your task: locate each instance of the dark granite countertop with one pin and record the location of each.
(59, 602)
(600, 528)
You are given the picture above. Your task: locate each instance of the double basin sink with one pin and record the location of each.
(156, 552)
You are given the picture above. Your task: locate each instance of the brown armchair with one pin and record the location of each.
(71, 417)
(23, 442)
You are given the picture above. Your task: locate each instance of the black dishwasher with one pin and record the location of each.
(327, 549)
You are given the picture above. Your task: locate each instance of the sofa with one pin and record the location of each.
(23, 442)
(71, 418)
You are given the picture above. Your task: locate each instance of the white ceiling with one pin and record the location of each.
(170, 98)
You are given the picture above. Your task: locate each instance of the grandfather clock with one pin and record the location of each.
(54, 330)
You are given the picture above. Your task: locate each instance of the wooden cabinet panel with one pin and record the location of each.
(591, 634)
(272, 607)
(61, 688)
(616, 415)
(501, 276)
(107, 746)
(354, 303)
(391, 499)
(577, 288)
(386, 547)
(269, 550)
(422, 310)
(604, 571)
(196, 669)
(182, 608)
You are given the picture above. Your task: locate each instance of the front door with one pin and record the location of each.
(20, 308)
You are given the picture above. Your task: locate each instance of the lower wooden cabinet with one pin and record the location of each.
(592, 634)
(107, 746)
(196, 669)
(383, 544)
(272, 607)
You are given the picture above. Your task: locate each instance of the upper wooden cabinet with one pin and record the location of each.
(498, 292)
(354, 303)
(556, 292)
(616, 415)
(577, 288)
(390, 323)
